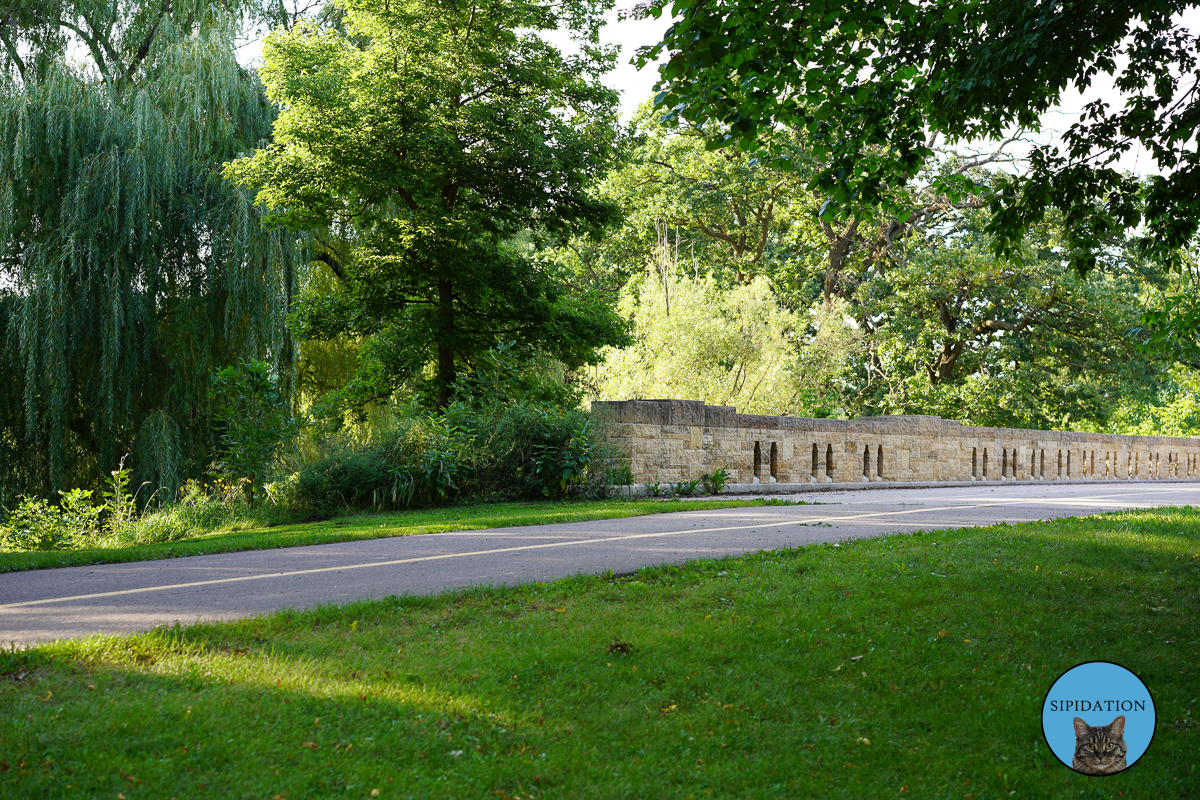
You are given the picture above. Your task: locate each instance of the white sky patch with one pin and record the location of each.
(636, 87)
(1070, 107)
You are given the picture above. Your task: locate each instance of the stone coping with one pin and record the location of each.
(669, 441)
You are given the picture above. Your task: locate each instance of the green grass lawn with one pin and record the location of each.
(910, 666)
(466, 517)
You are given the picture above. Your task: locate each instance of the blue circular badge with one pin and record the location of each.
(1098, 718)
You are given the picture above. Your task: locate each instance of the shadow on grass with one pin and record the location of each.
(907, 666)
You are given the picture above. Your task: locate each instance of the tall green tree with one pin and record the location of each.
(940, 323)
(431, 148)
(957, 331)
(720, 209)
(728, 212)
(727, 345)
(129, 270)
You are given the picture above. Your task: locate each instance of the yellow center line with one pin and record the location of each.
(515, 549)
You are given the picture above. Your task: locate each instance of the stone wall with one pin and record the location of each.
(668, 441)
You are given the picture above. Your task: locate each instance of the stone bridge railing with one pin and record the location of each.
(669, 441)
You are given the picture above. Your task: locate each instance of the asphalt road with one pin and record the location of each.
(76, 602)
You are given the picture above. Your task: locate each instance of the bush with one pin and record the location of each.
(516, 448)
(199, 510)
(421, 461)
(527, 451)
(254, 420)
(75, 522)
(37, 525)
(524, 450)
(343, 480)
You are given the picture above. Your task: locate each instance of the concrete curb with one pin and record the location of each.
(733, 489)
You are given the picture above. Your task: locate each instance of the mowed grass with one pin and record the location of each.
(909, 666)
(466, 517)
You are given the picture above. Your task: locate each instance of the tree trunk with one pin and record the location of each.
(839, 248)
(942, 370)
(445, 351)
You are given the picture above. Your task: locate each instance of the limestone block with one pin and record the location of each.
(720, 417)
(617, 429)
(643, 411)
(755, 422)
(685, 412)
(647, 430)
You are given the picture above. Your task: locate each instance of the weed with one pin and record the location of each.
(620, 474)
(686, 488)
(715, 481)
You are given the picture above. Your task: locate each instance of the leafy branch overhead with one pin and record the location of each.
(870, 81)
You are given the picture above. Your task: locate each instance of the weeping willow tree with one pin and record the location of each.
(129, 270)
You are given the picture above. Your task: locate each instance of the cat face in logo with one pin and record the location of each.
(1099, 750)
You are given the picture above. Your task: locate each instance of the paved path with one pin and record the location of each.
(80, 601)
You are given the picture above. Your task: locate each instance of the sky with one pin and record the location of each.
(635, 86)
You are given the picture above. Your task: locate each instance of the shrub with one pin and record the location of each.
(422, 460)
(516, 449)
(343, 480)
(253, 418)
(523, 450)
(37, 525)
(561, 467)
(75, 522)
(198, 510)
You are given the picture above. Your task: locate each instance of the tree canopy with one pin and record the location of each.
(429, 149)
(903, 309)
(735, 216)
(873, 81)
(129, 270)
(1011, 342)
